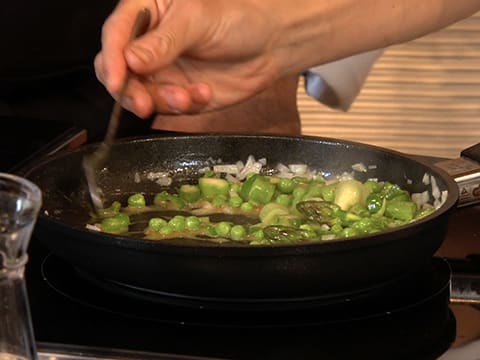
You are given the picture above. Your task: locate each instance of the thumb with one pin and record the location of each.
(160, 46)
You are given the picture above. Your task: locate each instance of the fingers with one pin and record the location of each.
(172, 99)
(116, 33)
(173, 36)
(144, 98)
(137, 99)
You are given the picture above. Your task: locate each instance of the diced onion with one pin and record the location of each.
(227, 169)
(426, 179)
(93, 227)
(421, 198)
(136, 178)
(360, 167)
(298, 169)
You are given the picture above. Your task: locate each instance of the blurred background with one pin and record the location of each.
(421, 97)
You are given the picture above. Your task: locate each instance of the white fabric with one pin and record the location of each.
(344, 77)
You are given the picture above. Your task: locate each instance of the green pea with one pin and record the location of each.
(237, 232)
(166, 230)
(124, 219)
(219, 200)
(192, 223)
(223, 228)
(235, 201)
(285, 185)
(210, 230)
(110, 211)
(284, 199)
(116, 224)
(246, 206)
(156, 224)
(136, 200)
(177, 223)
(161, 197)
(178, 202)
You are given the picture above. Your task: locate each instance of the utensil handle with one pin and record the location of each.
(473, 152)
(140, 26)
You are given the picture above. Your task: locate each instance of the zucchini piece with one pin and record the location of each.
(258, 189)
(212, 187)
(189, 193)
(271, 213)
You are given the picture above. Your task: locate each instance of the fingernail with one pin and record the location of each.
(127, 103)
(171, 102)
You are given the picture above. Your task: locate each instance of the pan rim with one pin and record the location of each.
(344, 244)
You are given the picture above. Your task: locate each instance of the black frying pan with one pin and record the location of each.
(247, 273)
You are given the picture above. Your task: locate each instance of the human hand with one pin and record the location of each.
(198, 55)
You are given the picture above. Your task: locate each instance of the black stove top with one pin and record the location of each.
(414, 322)
(412, 319)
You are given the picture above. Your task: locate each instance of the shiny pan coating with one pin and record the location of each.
(320, 270)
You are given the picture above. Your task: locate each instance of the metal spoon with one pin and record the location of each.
(94, 162)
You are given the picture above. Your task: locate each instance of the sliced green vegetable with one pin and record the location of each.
(401, 210)
(269, 209)
(189, 193)
(271, 212)
(212, 187)
(258, 189)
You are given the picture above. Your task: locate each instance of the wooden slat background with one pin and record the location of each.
(421, 97)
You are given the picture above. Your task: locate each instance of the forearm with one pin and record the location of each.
(346, 27)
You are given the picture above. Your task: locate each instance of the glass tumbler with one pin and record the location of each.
(20, 202)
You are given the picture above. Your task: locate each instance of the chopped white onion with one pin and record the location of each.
(162, 178)
(426, 179)
(298, 169)
(136, 178)
(93, 227)
(227, 169)
(435, 189)
(421, 198)
(360, 167)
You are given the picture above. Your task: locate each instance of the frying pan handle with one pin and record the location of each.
(466, 172)
(473, 152)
